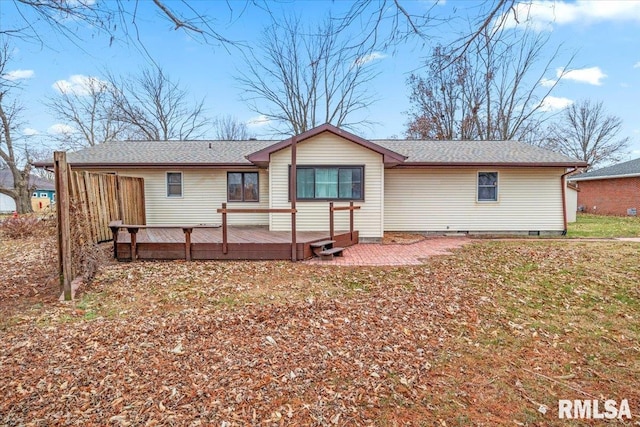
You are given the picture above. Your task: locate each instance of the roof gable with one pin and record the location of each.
(262, 157)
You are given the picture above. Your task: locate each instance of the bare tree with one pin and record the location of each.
(495, 91)
(13, 155)
(229, 128)
(90, 111)
(380, 23)
(386, 23)
(154, 107)
(303, 79)
(444, 101)
(586, 132)
(117, 19)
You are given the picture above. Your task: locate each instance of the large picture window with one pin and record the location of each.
(330, 182)
(174, 184)
(487, 186)
(242, 187)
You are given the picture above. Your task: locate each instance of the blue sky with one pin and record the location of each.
(604, 34)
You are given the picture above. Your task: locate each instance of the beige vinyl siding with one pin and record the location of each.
(329, 149)
(529, 199)
(203, 191)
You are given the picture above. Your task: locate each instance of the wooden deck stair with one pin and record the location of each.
(325, 249)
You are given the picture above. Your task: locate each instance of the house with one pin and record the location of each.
(43, 196)
(400, 185)
(614, 190)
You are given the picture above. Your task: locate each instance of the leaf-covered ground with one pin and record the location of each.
(492, 335)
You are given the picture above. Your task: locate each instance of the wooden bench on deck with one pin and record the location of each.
(133, 229)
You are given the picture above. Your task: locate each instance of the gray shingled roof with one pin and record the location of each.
(481, 152)
(195, 153)
(168, 152)
(6, 181)
(630, 168)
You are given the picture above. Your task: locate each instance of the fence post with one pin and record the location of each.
(64, 223)
(331, 231)
(225, 247)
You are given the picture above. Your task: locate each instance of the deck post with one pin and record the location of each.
(331, 231)
(134, 244)
(294, 195)
(351, 221)
(187, 243)
(225, 247)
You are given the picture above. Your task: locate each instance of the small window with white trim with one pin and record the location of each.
(487, 186)
(174, 184)
(44, 195)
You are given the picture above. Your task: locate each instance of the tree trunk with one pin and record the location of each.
(22, 197)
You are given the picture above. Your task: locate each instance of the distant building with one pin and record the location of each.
(43, 192)
(614, 190)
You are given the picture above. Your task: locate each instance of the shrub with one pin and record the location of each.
(26, 226)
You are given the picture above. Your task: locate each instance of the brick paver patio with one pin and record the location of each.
(395, 254)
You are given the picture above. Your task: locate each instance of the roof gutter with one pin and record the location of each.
(152, 165)
(407, 165)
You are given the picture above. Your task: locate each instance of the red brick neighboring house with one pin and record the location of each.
(614, 190)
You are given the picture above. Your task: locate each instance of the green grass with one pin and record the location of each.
(589, 225)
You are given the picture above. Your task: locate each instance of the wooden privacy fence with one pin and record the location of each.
(102, 198)
(86, 204)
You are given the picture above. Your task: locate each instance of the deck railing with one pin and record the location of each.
(349, 208)
(224, 211)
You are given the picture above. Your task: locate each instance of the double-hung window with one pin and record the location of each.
(174, 184)
(487, 186)
(242, 187)
(330, 182)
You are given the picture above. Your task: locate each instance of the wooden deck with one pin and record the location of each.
(246, 243)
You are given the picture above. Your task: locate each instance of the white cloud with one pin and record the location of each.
(636, 65)
(542, 14)
(60, 129)
(592, 76)
(553, 103)
(80, 85)
(547, 82)
(258, 121)
(18, 75)
(29, 132)
(369, 58)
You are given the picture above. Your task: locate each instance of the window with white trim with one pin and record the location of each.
(487, 186)
(174, 184)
